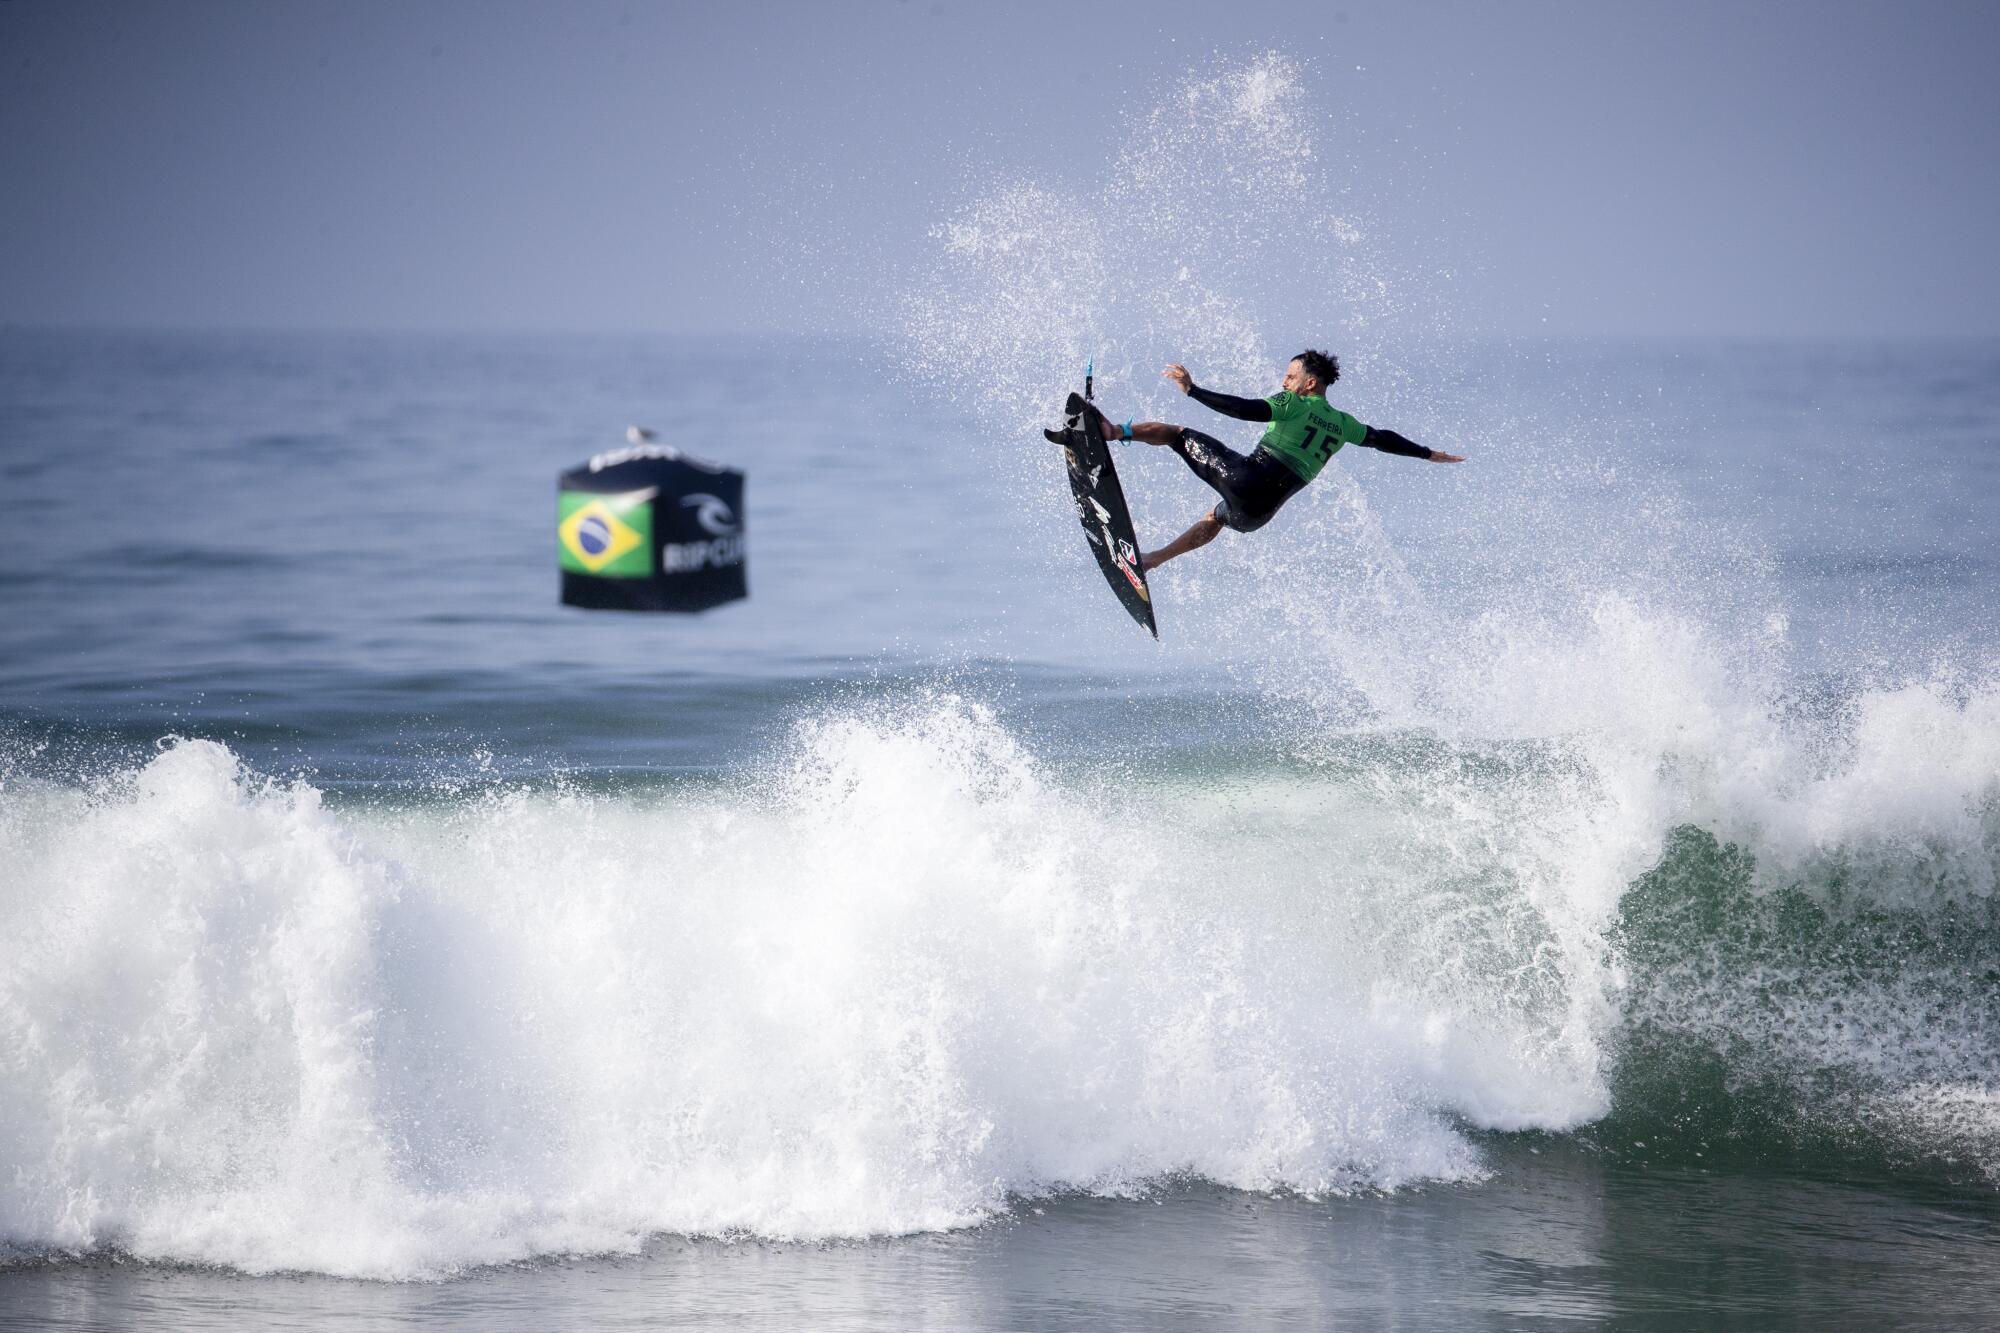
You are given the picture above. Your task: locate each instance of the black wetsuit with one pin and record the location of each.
(1254, 488)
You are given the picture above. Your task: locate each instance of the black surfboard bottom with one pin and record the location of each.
(1107, 523)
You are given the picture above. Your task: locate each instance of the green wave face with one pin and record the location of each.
(1845, 1012)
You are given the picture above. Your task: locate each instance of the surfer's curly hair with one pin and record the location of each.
(1322, 366)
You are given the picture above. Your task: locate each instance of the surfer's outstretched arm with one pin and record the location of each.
(1389, 442)
(1243, 409)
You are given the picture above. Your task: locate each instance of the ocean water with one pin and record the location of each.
(1556, 888)
(1559, 885)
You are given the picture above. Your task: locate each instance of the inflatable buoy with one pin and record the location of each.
(650, 528)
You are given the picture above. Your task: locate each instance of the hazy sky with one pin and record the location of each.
(1650, 168)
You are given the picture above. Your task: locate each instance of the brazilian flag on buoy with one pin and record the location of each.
(650, 528)
(609, 536)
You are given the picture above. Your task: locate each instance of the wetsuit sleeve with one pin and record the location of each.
(1243, 409)
(1391, 443)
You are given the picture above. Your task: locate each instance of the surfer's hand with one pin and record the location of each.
(1179, 375)
(1437, 457)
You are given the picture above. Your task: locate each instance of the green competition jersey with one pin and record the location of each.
(1305, 432)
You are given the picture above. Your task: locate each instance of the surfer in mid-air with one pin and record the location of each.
(1304, 432)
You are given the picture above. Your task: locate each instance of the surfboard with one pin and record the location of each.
(1100, 505)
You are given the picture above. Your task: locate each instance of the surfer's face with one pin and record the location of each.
(1297, 381)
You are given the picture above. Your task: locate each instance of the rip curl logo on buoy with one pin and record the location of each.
(607, 535)
(712, 512)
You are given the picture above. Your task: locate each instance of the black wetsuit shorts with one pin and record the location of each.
(1252, 489)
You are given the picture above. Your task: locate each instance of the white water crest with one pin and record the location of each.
(895, 988)
(893, 979)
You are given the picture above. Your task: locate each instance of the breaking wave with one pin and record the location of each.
(906, 974)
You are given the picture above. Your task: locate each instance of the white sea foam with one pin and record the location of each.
(886, 991)
(884, 983)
